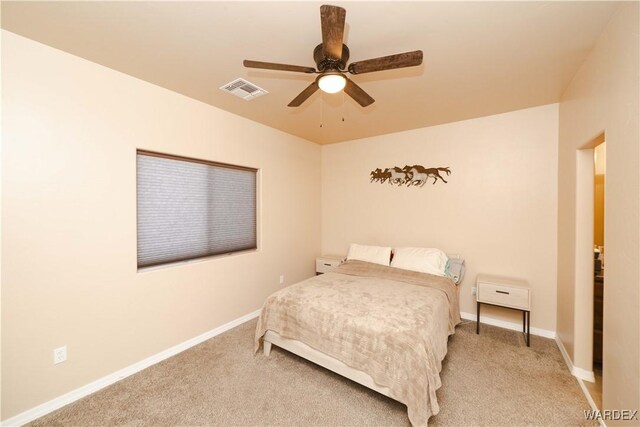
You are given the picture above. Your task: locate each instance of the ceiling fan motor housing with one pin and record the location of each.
(325, 64)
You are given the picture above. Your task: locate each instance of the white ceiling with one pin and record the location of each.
(480, 58)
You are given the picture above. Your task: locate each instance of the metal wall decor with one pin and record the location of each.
(408, 175)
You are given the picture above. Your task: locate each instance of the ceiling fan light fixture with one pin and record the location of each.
(332, 82)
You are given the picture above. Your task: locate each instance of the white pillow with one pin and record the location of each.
(424, 260)
(374, 254)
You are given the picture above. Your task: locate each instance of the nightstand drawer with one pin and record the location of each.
(508, 296)
(325, 264)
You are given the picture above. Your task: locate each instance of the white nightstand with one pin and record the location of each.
(326, 263)
(505, 292)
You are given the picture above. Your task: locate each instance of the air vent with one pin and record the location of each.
(244, 89)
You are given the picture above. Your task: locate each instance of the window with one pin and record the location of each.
(193, 208)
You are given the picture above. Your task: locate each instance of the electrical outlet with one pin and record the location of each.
(474, 291)
(59, 355)
(282, 279)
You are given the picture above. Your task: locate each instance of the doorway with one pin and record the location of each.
(589, 257)
(599, 159)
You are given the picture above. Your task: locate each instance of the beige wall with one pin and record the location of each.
(498, 209)
(603, 97)
(1, 149)
(71, 129)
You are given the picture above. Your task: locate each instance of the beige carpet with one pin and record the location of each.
(492, 379)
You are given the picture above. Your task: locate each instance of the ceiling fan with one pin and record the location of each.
(331, 58)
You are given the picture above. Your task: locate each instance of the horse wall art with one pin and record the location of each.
(415, 175)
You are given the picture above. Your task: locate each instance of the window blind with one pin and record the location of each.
(190, 209)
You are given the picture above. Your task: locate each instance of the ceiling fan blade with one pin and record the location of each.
(332, 21)
(304, 95)
(401, 60)
(281, 67)
(356, 92)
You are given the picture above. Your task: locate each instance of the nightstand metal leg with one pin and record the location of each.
(528, 329)
(526, 326)
(478, 320)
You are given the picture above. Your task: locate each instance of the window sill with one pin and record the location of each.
(195, 260)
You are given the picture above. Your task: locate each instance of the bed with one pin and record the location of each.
(383, 327)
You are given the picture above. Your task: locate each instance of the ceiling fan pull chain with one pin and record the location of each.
(343, 106)
(321, 108)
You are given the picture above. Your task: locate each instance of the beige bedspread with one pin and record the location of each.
(392, 324)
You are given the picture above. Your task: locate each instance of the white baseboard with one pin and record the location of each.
(592, 403)
(508, 325)
(72, 396)
(579, 373)
(583, 374)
